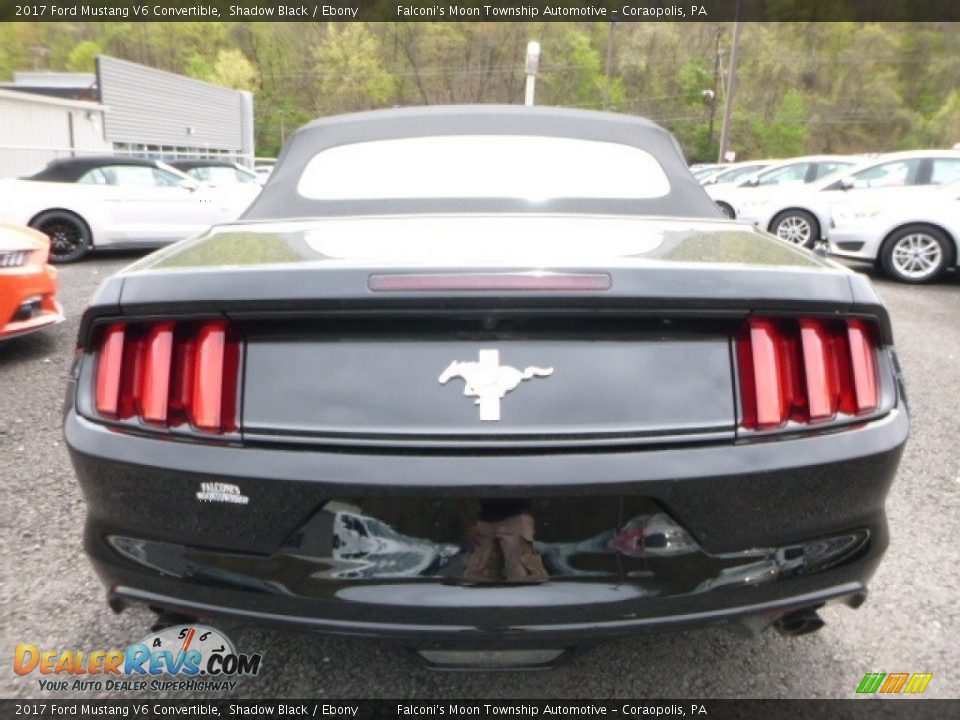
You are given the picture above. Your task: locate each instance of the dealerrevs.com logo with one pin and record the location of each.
(199, 657)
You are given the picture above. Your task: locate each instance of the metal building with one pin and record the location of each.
(170, 115)
(38, 128)
(138, 110)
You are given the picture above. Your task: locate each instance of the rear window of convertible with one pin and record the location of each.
(483, 166)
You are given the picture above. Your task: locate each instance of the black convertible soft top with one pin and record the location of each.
(73, 168)
(280, 199)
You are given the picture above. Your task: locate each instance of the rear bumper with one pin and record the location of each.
(765, 511)
(420, 633)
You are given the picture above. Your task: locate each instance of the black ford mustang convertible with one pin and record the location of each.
(476, 378)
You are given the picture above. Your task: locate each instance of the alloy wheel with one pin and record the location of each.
(794, 229)
(65, 237)
(917, 255)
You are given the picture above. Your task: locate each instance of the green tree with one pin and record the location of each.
(232, 69)
(83, 57)
(351, 74)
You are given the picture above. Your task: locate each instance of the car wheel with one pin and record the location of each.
(797, 227)
(69, 235)
(727, 210)
(915, 254)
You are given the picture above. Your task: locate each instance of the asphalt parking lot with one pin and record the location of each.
(49, 596)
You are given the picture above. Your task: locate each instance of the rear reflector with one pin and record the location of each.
(579, 282)
(805, 371)
(168, 374)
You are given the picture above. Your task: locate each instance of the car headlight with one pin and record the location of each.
(14, 258)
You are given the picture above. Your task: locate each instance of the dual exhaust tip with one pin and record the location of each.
(799, 622)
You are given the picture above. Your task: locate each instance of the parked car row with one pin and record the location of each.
(82, 203)
(900, 210)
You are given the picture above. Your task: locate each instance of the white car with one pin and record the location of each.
(914, 242)
(97, 202)
(773, 180)
(217, 172)
(801, 214)
(736, 173)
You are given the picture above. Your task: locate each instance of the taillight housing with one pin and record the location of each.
(168, 374)
(806, 371)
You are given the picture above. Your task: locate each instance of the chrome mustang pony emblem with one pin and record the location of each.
(488, 380)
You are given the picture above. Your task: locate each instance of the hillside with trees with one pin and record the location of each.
(801, 87)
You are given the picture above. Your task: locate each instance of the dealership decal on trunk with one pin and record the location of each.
(489, 381)
(221, 493)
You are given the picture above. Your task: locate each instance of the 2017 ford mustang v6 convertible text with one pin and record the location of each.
(476, 378)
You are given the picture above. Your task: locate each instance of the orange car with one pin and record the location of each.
(28, 285)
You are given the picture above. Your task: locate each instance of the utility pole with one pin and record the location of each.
(713, 99)
(533, 62)
(606, 88)
(731, 87)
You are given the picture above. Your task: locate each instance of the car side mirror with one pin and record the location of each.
(752, 182)
(847, 183)
(190, 184)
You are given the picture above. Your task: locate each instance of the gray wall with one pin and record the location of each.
(36, 129)
(154, 107)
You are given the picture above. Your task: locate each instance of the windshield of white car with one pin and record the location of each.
(793, 173)
(221, 175)
(483, 166)
(131, 176)
(735, 174)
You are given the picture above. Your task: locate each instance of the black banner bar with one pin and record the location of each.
(480, 10)
(862, 709)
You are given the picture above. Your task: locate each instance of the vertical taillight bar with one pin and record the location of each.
(157, 350)
(207, 401)
(109, 369)
(864, 364)
(764, 343)
(820, 380)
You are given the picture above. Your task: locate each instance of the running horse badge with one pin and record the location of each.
(489, 381)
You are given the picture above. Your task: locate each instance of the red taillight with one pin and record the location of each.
(206, 405)
(805, 370)
(818, 362)
(864, 363)
(155, 378)
(109, 364)
(767, 374)
(168, 374)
